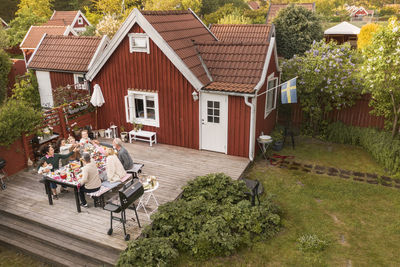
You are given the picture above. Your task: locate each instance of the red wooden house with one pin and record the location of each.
(169, 72)
(75, 19)
(64, 60)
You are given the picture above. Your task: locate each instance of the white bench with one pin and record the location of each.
(147, 136)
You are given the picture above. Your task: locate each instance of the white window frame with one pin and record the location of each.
(76, 81)
(267, 109)
(80, 21)
(132, 48)
(130, 110)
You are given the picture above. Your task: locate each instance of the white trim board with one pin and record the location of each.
(79, 13)
(136, 17)
(103, 43)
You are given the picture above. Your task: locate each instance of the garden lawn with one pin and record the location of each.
(360, 222)
(14, 258)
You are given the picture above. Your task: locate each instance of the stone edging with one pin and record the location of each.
(370, 178)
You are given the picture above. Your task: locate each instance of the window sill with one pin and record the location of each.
(147, 122)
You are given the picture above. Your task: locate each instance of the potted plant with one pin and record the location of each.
(277, 137)
(124, 135)
(76, 130)
(101, 132)
(140, 126)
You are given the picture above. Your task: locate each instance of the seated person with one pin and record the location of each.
(71, 141)
(44, 167)
(123, 154)
(115, 170)
(85, 141)
(64, 148)
(90, 181)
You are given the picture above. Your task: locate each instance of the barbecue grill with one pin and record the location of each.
(127, 196)
(2, 173)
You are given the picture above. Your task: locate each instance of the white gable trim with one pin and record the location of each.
(271, 49)
(5, 23)
(26, 35)
(34, 52)
(136, 17)
(68, 30)
(104, 41)
(52, 15)
(79, 13)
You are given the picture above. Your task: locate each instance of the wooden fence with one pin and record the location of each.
(357, 115)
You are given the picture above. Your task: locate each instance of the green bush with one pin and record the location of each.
(16, 118)
(27, 89)
(378, 143)
(311, 243)
(148, 252)
(213, 218)
(5, 67)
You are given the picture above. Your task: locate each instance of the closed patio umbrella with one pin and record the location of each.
(97, 99)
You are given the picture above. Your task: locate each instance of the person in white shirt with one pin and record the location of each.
(90, 181)
(115, 170)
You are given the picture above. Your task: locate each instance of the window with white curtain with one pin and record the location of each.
(142, 107)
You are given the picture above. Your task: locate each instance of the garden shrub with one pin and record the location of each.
(380, 144)
(148, 252)
(213, 218)
(311, 243)
(5, 67)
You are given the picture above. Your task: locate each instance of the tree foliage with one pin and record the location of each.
(296, 29)
(5, 67)
(234, 19)
(109, 25)
(381, 70)
(366, 33)
(16, 117)
(40, 8)
(4, 39)
(21, 24)
(195, 5)
(326, 80)
(26, 89)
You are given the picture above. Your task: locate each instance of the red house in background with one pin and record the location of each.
(193, 87)
(75, 19)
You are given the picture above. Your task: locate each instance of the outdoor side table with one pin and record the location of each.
(264, 141)
(145, 199)
(114, 131)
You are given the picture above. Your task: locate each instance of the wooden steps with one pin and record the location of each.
(54, 246)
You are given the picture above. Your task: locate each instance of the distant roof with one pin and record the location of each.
(246, 33)
(178, 28)
(234, 67)
(56, 22)
(67, 16)
(343, 28)
(4, 24)
(35, 33)
(275, 8)
(253, 5)
(65, 53)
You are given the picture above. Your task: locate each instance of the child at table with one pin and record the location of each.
(44, 167)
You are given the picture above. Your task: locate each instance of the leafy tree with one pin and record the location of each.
(26, 89)
(109, 25)
(21, 24)
(9, 7)
(221, 13)
(326, 80)
(388, 11)
(211, 6)
(325, 7)
(366, 33)
(173, 4)
(89, 31)
(381, 70)
(234, 19)
(256, 16)
(16, 117)
(41, 8)
(5, 67)
(296, 29)
(4, 40)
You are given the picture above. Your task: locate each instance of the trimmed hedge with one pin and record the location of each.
(379, 144)
(213, 218)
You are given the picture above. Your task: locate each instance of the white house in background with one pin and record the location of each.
(342, 33)
(75, 19)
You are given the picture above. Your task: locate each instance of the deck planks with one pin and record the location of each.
(173, 166)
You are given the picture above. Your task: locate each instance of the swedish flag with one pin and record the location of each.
(288, 92)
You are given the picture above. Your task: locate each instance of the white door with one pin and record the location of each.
(46, 96)
(214, 122)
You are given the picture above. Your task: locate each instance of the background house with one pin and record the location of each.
(168, 71)
(36, 33)
(342, 33)
(275, 8)
(75, 19)
(64, 60)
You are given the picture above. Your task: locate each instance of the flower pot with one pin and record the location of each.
(101, 132)
(278, 145)
(124, 136)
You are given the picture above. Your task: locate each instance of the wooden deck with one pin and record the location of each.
(173, 166)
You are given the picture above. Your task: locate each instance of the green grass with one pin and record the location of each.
(13, 258)
(360, 222)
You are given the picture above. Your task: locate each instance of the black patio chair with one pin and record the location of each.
(127, 196)
(255, 189)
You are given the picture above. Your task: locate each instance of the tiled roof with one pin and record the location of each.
(246, 33)
(234, 67)
(275, 8)
(67, 16)
(253, 5)
(35, 33)
(65, 53)
(179, 29)
(56, 22)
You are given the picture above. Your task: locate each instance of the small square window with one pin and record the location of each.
(139, 42)
(80, 21)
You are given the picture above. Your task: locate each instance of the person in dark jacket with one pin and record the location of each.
(54, 159)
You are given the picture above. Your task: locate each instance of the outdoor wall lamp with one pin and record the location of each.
(195, 96)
